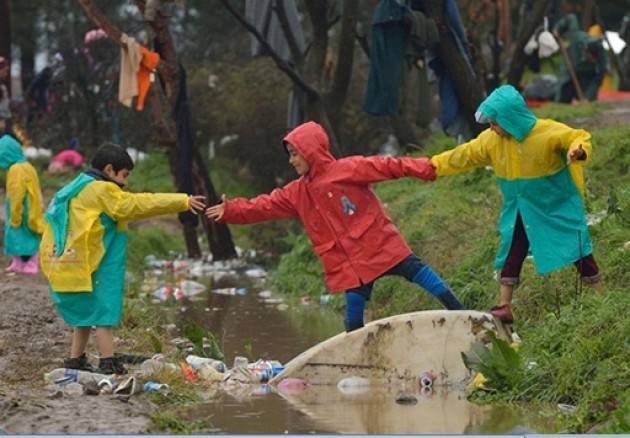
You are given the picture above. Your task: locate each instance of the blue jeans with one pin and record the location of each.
(414, 271)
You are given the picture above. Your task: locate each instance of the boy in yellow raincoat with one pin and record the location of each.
(539, 167)
(84, 249)
(23, 221)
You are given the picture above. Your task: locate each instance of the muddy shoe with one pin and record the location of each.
(110, 365)
(504, 313)
(78, 363)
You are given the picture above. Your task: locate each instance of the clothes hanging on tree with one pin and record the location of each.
(136, 64)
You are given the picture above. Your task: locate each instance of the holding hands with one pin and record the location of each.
(578, 154)
(196, 203)
(216, 211)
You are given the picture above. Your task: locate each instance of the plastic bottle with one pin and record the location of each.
(63, 376)
(155, 387)
(240, 362)
(197, 363)
(325, 299)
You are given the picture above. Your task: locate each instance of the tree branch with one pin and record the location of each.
(296, 53)
(345, 55)
(281, 63)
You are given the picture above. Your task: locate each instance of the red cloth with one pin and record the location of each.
(68, 157)
(351, 234)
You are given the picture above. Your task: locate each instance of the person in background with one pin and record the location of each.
(5, 102)
(23, 221)
(67, 161)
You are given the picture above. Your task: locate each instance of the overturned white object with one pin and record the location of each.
(399, 348)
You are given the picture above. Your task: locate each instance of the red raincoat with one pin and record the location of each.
(351, 233)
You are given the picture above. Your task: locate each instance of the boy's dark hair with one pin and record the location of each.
(110, 153)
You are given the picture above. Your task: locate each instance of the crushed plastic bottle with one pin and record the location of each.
(156, 387)
(197, 362)
(190, 287)
(230, 291)
(61, 376)
(240, 362)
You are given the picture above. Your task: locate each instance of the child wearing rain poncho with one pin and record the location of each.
(539, 167)
(23, 211)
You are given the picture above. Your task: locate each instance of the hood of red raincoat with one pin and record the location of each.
(311, 140)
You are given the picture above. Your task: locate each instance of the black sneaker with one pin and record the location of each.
(111, 365)
(78, 363)
(130, 358)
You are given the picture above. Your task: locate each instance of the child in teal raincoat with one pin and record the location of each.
(539, 168)
(23, 211)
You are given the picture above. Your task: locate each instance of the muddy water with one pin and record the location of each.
(249, 327)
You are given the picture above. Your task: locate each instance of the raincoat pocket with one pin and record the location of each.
(360, 227)
(331, 257)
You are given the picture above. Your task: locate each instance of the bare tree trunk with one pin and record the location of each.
(519, 59)
(219, 237)
(5, 37)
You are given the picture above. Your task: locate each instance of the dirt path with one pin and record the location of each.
(33, 340)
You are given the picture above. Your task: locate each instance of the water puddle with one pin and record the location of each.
(251, 325)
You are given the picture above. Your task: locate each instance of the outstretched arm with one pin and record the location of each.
(125, 206)
(368, 170)
(464, 157)
(576, 143)
(275, 205)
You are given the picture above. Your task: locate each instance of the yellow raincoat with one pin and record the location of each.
(24, 220)
(84, 246)
(534, 178)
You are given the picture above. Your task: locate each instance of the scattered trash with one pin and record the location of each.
(478, 381)
(240, 362)
(596, 218)
(210, 374)
(155, 387)
(406, 399)
(256, 273)
(306, 300)
(566, 408)
(262, 390)
(353, 381)
(164, 292)
(531, 365)
(272, 301)
(282, 307)
(105, 386)
(516, 339)
(264, 294)
(197, 363)
(230, 291)
(426, 379)
(128, 387)
(72, 389)
(189, 373)
(265, 370)
(325, 299)
(292, 385)
(61, 376)
(191, 287)
(155, 365)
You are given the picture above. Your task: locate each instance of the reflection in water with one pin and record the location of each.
(248, 327)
